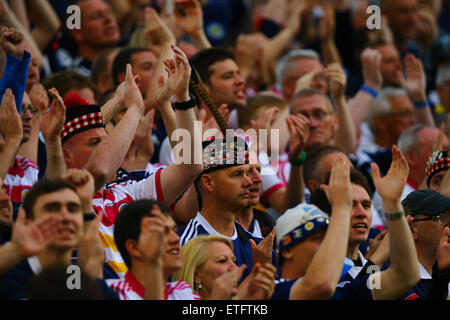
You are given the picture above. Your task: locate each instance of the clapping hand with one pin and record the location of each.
(415, 82)
(31, 238)
(390, 187)
(179, 74)
(10, 121)
(52, 122)
(298, 126)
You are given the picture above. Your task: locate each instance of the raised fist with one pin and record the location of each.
(11, 40)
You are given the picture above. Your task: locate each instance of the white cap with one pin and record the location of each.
(299, 222)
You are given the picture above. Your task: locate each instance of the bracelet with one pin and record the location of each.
(192, 102)
(297, 162)
(420, 105)
(395, 216)
(369, 90)
(88, 216)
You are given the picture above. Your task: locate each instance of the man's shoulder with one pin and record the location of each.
(13, 283)
(419, 291)
(193, 229)
(244, 235)
(354, 289)
(283, 289)
(22, 166)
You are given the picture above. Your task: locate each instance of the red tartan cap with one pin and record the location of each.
(80, 116)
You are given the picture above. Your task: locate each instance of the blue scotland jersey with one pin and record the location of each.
(283, 289)
(355, 289)
(240, 239)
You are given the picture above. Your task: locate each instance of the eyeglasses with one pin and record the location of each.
(317, 115)
(443, 219)
(29, 107)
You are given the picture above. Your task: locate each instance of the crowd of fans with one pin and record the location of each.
(224, 149)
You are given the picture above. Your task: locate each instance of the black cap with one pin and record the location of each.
(427, 202)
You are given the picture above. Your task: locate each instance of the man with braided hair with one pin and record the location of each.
(224, 188)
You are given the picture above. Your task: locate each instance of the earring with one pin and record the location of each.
(199, 285)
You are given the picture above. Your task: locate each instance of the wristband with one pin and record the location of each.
(395, 216)
(369, 90)
(420, 105)
(88, 216)
(298, 162)
(192, 102)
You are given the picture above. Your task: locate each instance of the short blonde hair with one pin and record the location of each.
(194, 255)
(262, 100)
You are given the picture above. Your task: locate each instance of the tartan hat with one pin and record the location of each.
(438, 161)
(299, 222)
(220, 154)
(224, 153)
(80, 116)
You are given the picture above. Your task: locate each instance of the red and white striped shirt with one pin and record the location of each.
(20, 178)
(284, 168)
(131, 289)
(270, 180)
(110, 201)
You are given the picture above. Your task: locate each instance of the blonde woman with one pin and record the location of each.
(209, 266)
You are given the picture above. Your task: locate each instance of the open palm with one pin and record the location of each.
(52, 122)
(391, 186)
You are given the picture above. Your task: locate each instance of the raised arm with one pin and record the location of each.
(20, 10)
(107, 157)
(157, 32)
(291, 195)
(52, 124)
(163, 96)
(45, 20)
(277, 44)
(117, 102)
(121, 9)
(246, 51)
(142, 148)
(360, 105)
(11, 131)
(91, 254)
(415, 85)
(9, 19)
(192, 22)
(152, 244)
(403, 272)
(17, 61)
(324, 271)
(177, 177)
(298, 135)
(346, 133)
(327, 28)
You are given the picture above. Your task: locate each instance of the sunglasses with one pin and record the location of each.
(443, 219)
